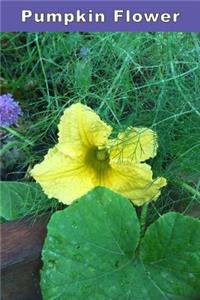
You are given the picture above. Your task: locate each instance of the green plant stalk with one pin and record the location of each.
(17, 134)
(143, 218)
(190, 189)
(186, 187)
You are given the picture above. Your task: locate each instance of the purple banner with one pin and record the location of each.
(100, 16)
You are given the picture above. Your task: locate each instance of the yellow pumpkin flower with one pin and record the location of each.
(85, 157)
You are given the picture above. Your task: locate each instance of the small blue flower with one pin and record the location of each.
(9, 110)
(84, 52)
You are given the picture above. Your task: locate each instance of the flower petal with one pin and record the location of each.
(134, 182)
(62, 177)
(134, 144)
(80, 127)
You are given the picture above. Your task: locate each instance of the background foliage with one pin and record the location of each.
(140, 79)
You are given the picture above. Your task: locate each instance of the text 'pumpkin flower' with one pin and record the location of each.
(85, 158)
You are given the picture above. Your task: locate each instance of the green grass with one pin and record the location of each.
(139, 79)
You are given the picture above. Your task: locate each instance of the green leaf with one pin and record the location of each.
(19, 199)
(91, 252)
(171, 254)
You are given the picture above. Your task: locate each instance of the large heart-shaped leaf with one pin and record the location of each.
(21, 198)
(171, 254)
(92, 251)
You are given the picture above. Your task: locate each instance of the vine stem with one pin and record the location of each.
(187, 187)
(190, 189)
(143, 218)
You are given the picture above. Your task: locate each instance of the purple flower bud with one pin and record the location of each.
(9, 110)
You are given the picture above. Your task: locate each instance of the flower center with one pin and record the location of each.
(97, 161)
(102, 155)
